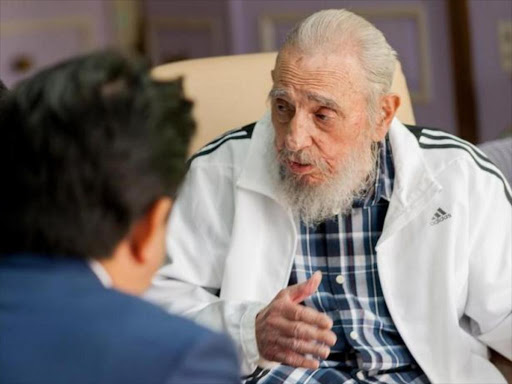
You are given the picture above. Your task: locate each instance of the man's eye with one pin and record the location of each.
(324, 118)
(283, 111)
(324, 115)
(282, 107)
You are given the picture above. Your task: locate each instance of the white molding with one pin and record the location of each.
(267, 27)
(83, 25)
(504, 28)
(155, 24)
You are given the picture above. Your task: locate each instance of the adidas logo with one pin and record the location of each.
(439, 216)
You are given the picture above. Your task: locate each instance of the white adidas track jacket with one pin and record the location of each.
(444, 256)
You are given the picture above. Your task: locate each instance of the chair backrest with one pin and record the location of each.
(231, 91)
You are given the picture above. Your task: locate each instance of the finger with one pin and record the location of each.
(295, 359)
(300, 330)
(304, 347)
(300, 292)
(296, 312)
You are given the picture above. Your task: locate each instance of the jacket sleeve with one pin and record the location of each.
(198, 240)
(210, 361)
(489, 302)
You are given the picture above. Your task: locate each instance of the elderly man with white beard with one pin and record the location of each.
(336, 245)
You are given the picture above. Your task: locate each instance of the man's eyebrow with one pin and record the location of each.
(278, 92)
(312, 96)
(329, 103)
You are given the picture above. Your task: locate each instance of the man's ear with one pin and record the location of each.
(146, 235)
(388, 106)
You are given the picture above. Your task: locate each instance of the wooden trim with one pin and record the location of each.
(462, 62)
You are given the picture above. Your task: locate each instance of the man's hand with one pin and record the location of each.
(287, 332)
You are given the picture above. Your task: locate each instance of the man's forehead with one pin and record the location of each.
(329, 56)
(326, 85)
(316, 70)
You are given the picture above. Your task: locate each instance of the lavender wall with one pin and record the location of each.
(493, 85)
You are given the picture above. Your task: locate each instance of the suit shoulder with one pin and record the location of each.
(177, 348)
(211, 360)
(137, 312)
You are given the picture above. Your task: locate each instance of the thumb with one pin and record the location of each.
(300, 292)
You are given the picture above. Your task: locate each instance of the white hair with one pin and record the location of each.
(338, 29)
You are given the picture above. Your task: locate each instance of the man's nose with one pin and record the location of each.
(298, 136)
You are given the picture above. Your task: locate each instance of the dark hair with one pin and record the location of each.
(87, 147)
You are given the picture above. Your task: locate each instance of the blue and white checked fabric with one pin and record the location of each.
(369, 348)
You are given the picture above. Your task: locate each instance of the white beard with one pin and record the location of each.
(315, 203)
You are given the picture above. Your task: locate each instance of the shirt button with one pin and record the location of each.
(340, 279)
(360, 375)
(354, 335)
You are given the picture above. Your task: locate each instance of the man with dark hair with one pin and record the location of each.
(92, 151)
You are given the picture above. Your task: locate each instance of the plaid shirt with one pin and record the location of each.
(369, 348)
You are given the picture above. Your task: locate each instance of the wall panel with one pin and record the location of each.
(34, 34)
(492, 79)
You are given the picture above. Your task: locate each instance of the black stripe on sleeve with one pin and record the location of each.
(417, 131)
(481, 166)
(224, 135)
(458, 140)
(217, 143)
(458, 143)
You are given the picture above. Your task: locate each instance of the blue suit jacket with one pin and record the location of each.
(59, 324)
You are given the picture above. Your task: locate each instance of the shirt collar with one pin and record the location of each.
(100, 273)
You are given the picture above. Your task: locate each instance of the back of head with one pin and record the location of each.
(87, 147)
(339, 31)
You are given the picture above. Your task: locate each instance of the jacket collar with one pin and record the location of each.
(413, 177)
(414, 181)
(261, 172)
(415, 185)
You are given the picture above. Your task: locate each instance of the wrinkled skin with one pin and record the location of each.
(287, 331)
